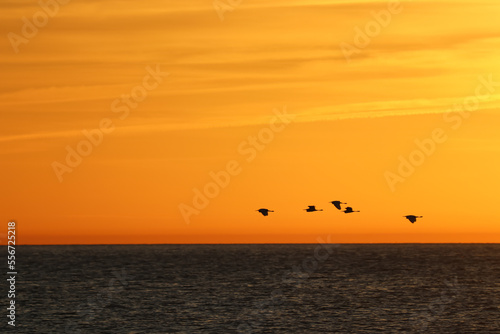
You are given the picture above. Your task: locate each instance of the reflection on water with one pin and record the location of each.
(259, 288)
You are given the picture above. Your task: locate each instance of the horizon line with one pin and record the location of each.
(273, 243)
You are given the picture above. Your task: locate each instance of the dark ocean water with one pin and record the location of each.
(258, 289)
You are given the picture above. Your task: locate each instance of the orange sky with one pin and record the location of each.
(350, 121)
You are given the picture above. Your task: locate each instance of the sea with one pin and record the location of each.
(255, 288)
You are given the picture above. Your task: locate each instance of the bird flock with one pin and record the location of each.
(338, 205)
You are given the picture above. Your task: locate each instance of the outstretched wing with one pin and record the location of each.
(412, 219)
(264, 212)
(337, 204)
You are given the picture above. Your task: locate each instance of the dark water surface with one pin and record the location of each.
(426, 288)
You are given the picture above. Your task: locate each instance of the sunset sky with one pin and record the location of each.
(213, 84)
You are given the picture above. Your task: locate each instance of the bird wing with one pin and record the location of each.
(263, 211)
(412, 219)
(312, 207)
(337, 205)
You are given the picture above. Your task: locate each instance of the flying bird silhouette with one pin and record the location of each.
(312, 208)
(265, 212)
(349, 210)
(412, 218)
(337, 204)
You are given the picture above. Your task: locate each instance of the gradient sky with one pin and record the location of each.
(352, 121)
